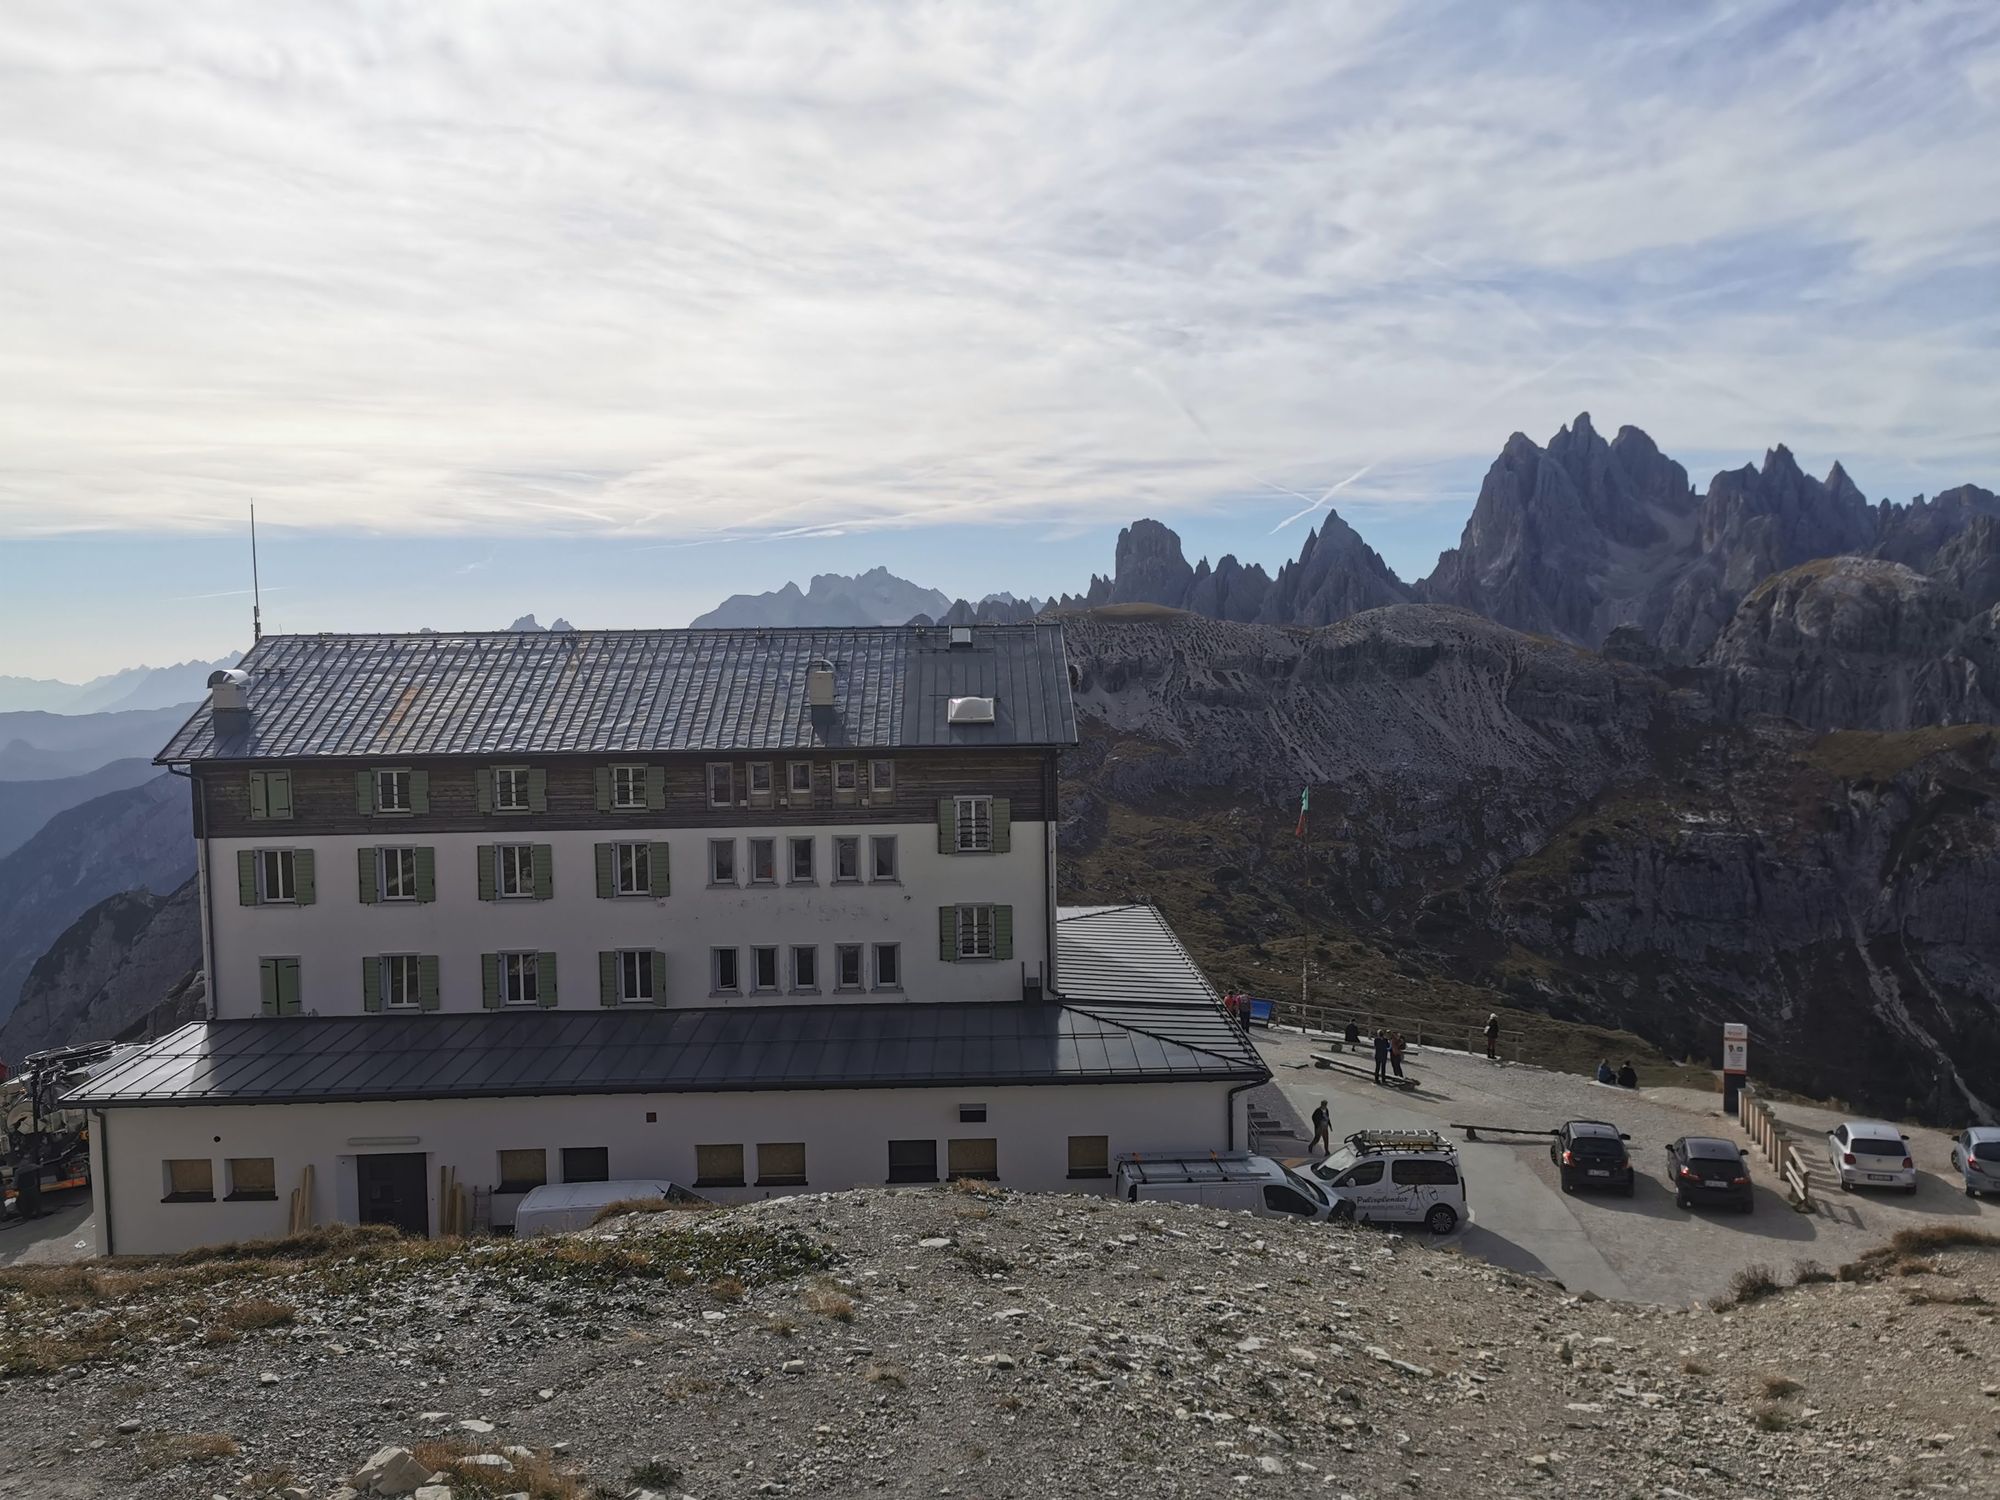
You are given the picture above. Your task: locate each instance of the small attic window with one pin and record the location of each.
(961, 635)
(970, 711)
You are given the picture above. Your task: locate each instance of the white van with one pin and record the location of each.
(1395, 1176)
(558, 1206)
(1231, 1179)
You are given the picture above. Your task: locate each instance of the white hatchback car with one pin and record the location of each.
(1975, 1156)
(1870, 1153)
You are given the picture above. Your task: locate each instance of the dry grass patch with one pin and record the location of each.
(1751, 1284)
(1779, 1386)
(781, 1325)
(1770, 1417)
(649, 1206)
(535, 1476)
(685, 1387)
(1694, 1367)
(257, 1312)
(976, 1187)
(169, 1450)
(727, 1289)
(884, 1374)
(828, 1301)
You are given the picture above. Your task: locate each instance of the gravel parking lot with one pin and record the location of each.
(1643, 1247)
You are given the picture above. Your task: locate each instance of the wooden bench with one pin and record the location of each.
(1322, 1060)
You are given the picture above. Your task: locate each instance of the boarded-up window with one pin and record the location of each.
(718, 1166)
(977, 1156)
(913, 1161)
(781, 1163)
(523, 1169)
(1090, 1156)
(191, 1180)
(252, 1177)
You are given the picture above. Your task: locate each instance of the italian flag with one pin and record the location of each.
(1305, 801)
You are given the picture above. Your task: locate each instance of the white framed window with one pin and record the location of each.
(635, 977)
(974, 823)
(760, 782)
(519, 981)
(514, 869)
(723, 978)
(763, 861)
(800, 861)
(510, 789)
(277, 875)
(721, 784)
(722, 861)
(847, 966)
(846, 779)
(392, 791)
(846, 857)
(975, 932)
(632, 869)
(882, 777)
(402, 988)
(800, 774)
(888, 966)
(628, 786)
(882, 857)
(399, 874)
(805, 969)
(763, 968)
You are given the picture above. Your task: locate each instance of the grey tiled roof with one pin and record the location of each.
(634, 692)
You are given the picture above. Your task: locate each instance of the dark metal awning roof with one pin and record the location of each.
(634, 692)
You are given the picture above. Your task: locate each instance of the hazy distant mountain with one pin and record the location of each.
(529, 622)
(41, 746)
(26, 805)
(133, 688)
(877, 597)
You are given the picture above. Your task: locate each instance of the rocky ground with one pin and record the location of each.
(944, 1342)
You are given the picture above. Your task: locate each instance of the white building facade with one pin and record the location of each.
(749, 875)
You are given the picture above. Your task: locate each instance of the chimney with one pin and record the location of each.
(225, 697)
(961, 637)
(819, 683)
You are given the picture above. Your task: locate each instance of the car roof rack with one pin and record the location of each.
(1399, 1140)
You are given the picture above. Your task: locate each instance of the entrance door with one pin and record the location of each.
(393, 1190)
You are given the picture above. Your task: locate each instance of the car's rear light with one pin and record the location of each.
(1687, 1171)
(1739, 1182)
(1848, 1158)
(1568, 1159)
(1907, 1163)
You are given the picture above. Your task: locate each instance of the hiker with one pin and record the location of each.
(1396, 1048)
(1230, 1003)
(1381, 1055)
(1604, 1073)
(1493, 1037)
(1322, 1140)
(1628, 1076)
(1353, 1033)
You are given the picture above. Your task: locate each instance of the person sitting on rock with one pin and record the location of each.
(1604, 1073)
(1628, 1076)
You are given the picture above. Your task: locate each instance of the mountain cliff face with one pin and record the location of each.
(877, 597)
(1496, 814)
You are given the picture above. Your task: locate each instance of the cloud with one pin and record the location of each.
(687, 273)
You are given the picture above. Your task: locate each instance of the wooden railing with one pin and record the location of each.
(1416, 1030)
(1768, 1135)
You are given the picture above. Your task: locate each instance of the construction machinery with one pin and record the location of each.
(47, 1146)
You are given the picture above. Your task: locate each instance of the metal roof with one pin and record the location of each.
(634, 692)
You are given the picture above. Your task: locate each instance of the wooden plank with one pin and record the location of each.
(1321, 1060)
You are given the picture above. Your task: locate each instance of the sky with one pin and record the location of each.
(609, 311)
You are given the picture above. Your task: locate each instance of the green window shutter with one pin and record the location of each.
(659, 977)
(427, 885)
(288, 986)
(427, 982)
(487, 889)
(607, 978)
(489, 978)
(605, 888)
(603, 775)
(260, 804)
(420, 791)
(658, 857)
(364, 792)
(1003, 932)
(366, 873)
(948, 934)
(305, 888)
(545, 871)
(246, 877)
(947, 826)
(482, 782)
(1003, 825)
(278, 793)
(656, 788)
(545, 980)
(538, 791)
(267, 981)
(371, 984)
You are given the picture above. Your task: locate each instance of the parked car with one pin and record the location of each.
(556, 1207)
(1235, 1179)
(1396, 1176)
(1975, 1156)
(1870, 1153)
(1703, 1169)
(1590, 1153)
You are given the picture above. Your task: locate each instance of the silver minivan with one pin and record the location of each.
(1227, 1179)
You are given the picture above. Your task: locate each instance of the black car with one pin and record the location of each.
(1703, 1169)
(1591, 1154)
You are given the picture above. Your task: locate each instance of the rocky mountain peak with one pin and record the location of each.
(1148, 566)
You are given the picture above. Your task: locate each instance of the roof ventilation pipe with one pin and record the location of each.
(819, 683)
(961, 636)
(230, 709)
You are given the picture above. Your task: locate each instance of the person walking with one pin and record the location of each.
(1493, 1037)
(1397, 1046)
(1322, 1141)
(1381, 1055)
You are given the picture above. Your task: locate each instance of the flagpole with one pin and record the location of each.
(1305, 906)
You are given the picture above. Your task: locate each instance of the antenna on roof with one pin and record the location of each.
(256, 591)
